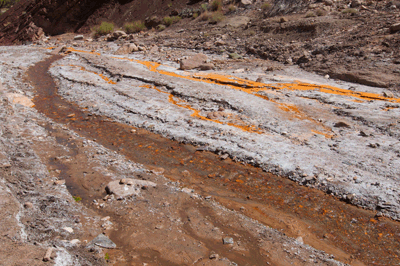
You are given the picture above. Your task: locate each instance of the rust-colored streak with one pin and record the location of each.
(196, 113)
(109, 81)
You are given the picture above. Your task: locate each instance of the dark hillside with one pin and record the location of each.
(29, 19)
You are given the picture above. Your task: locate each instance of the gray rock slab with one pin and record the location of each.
(130, 187)
(102, 241)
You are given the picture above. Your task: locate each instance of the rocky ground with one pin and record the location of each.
(206, 144)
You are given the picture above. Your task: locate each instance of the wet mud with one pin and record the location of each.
(353, 235)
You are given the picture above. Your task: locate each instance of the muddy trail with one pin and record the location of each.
(353, 235)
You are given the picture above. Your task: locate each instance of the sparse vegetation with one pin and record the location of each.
(7, 3)
(216, 17)
(232, 8)
(205, 16)
(195, 15)
(216, 5)
(134, 27)
(266, 6)
(168, 21)
(310, 14)
(350, 11)
(77, 198)
(170, 5)
(161, 27)
(107, 256)
(104, 29)
(204, 7)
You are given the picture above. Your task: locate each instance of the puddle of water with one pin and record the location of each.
(350, 233)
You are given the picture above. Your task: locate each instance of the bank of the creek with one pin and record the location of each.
(353, 235)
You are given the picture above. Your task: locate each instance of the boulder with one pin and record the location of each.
(207, 66)
(130, 187)
(127, 48)
(116, 35)
(193, 62)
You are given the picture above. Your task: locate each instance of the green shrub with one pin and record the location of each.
(216, 17)
(204, 7)
(266, 6)
(104, 29)
(216, 5)
(77, 198)
(161, 27)
(168, 21)
(350, 11)
(134, 27)
(195, 15)
(107, 256)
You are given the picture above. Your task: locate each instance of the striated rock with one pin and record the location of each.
(193, 62)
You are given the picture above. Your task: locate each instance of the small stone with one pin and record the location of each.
(341, 124)
(225, 156)
(69, 229)
(240, 70)
(124, 190)
(214, 256)
(193, 62)
(28, 205)
(206, 66)
(103, 241)
(78, 37)
(71, 115)
(47, 256)
(283, 19)
(59, 182)
(388, 94)
(122, 181)
(327, 76)
(74, 241)
(300, 240)
(374, 145)
(235, 56)
(227, 240)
